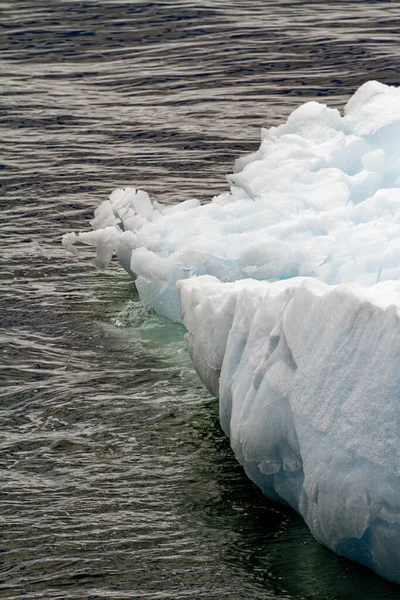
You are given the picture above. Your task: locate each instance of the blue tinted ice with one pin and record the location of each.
(289, 286)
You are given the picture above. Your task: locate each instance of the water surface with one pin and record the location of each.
(116, 481)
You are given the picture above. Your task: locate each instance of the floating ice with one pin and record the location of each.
(305, 360)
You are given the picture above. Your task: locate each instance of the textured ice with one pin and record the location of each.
(320, 198)
(290, 290)
(309, 387)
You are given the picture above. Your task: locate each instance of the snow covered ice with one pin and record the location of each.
(320, 198)
(289, 286)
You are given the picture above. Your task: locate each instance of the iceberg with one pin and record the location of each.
(289, 287)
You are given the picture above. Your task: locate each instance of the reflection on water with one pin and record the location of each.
(116, 480)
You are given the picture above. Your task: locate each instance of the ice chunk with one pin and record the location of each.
(320, 198)
(308, 381)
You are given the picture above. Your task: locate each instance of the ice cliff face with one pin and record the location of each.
(289, 286)
(308, 381)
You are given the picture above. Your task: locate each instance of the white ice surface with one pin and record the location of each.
(320, 198)
(303, 347)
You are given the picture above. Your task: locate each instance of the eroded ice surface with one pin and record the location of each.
(309, 387)
(303, 347)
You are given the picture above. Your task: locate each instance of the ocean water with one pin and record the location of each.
(116, 481)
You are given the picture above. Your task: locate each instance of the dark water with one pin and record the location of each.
(116, 481)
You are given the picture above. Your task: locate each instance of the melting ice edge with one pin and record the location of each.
(289, 287)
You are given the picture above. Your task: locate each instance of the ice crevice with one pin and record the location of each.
(289, 287)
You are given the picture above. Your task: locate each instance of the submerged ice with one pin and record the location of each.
(289, 287)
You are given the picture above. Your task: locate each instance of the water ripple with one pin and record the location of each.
(116, 481)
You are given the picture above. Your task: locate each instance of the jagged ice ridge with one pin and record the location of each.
(305, 360)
